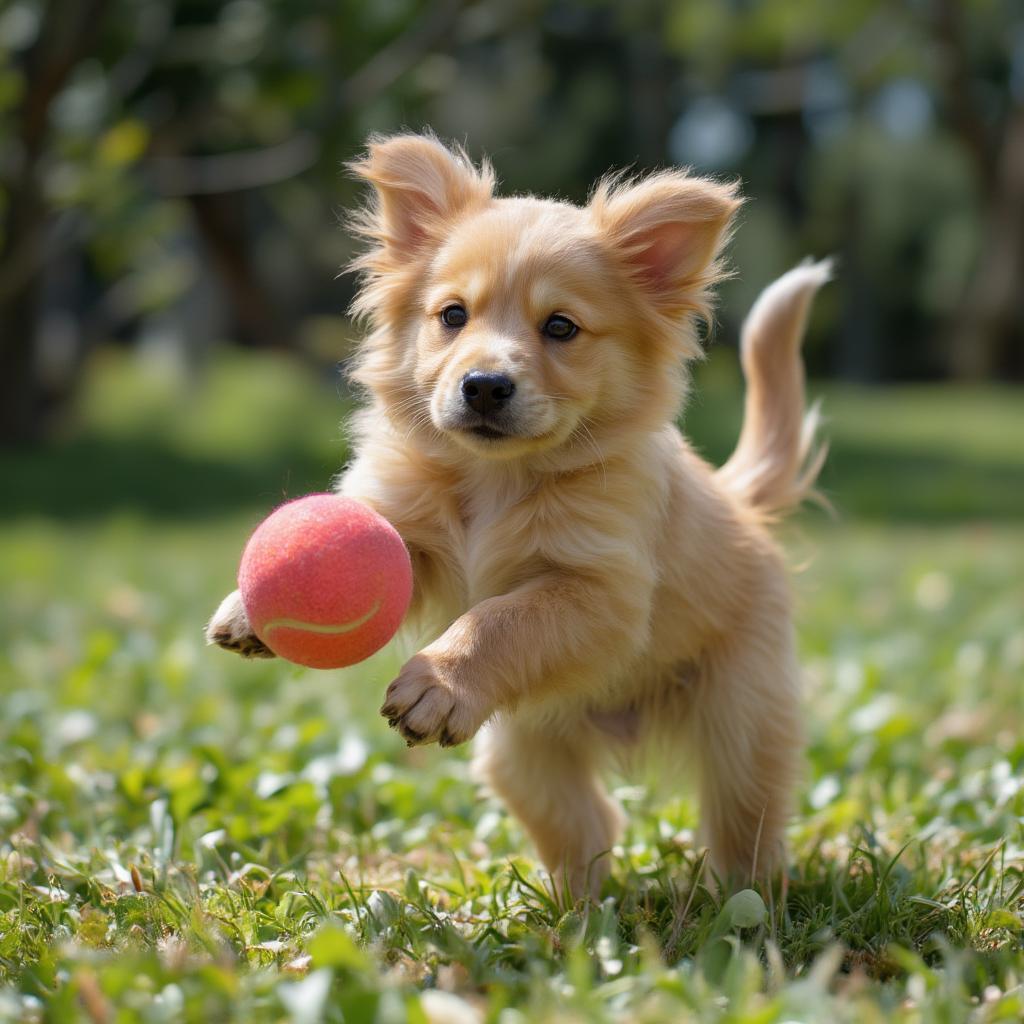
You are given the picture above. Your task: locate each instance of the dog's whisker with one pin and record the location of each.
(587, 436)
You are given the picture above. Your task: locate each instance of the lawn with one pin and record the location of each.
(185, 836)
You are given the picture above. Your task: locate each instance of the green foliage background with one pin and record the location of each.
(171, 170)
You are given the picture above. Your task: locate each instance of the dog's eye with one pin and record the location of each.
(454, 315)
(560, 328)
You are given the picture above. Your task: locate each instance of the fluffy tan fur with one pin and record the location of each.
(587, 581)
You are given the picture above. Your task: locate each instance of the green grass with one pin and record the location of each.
(184, 836)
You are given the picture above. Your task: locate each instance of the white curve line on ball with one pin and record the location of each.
(316, 627)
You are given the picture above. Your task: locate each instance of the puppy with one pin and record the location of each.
(588, 582)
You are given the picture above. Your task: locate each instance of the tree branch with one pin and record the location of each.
(402, 54)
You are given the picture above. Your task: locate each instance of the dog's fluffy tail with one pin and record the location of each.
(777, 459)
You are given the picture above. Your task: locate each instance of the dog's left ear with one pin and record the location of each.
(668, 229)
(420, 186)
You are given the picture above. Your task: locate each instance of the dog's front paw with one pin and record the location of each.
(229, 628)
(425, 707)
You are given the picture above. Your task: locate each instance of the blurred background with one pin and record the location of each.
(172, 203)
(171, 179)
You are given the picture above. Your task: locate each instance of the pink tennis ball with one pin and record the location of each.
(325, 581)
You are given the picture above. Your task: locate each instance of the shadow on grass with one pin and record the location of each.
(96, 476)
(901, 483)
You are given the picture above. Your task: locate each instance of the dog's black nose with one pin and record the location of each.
(486, 392)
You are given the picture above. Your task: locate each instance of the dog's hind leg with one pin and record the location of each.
(747, 731)
(550, 781)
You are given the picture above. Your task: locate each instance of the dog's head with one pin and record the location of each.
(505, 327)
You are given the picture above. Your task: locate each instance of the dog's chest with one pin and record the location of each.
(499, 541)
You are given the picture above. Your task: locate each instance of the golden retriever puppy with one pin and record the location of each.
(588, 583)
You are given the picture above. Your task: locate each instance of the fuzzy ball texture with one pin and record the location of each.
(325, 581)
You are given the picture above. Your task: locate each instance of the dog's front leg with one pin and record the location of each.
(229, 628)
(561, 632)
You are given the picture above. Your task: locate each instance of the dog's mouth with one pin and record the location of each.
(487, 438)
(487, 432)
(488, 427)
(500, 433)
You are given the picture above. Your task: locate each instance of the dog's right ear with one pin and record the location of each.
(668, 229)
(420, 186)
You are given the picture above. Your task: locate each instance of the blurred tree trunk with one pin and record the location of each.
(61, 43)
(992, 309)
(649, 80)
(22, 235)
(220, 218)
(858, 357)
